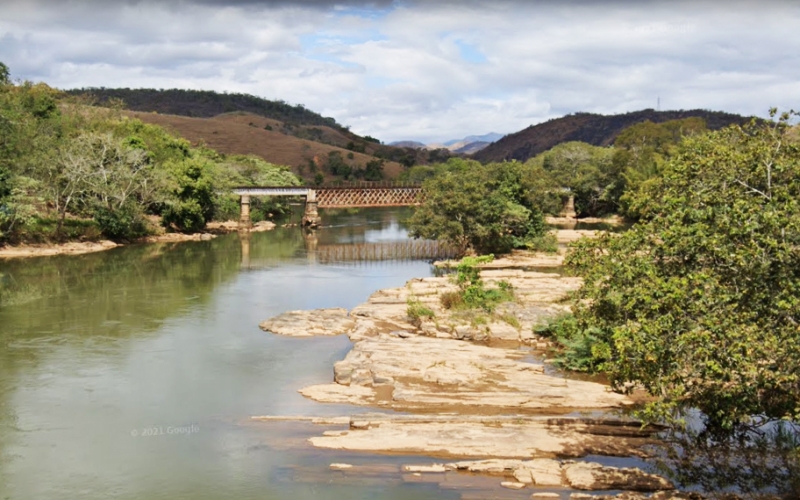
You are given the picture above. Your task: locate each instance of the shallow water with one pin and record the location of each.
(132, 373)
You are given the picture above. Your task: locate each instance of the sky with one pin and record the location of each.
(423, 70)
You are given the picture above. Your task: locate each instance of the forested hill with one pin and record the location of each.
(207, 104)
(598, 130)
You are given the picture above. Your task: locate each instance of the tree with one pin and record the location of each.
(641, 150)
(193, 191)
(4, 74)
(699, 303)
(587, 172)
(478, 207)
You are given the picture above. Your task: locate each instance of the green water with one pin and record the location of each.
(132, 373)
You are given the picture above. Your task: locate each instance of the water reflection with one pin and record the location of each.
(103, 356)
(754, 463)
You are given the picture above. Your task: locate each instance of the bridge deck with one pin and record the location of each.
(365, 195)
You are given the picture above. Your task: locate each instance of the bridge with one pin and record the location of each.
(351, 195)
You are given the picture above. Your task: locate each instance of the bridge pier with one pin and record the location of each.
(244, 213)
(311, 216)
(568, 211)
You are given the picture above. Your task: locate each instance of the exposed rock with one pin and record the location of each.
(503, 331)
(310, 323)
(425, 468)
(512, 485)
(632, 495)
(544, 471)
(341, 466)
(427, 373)
(72, 248)
(523, 475)
(313, 420)
(539, 471)
(489, 436)
(594, 476)
(545, 494)
(570, 235)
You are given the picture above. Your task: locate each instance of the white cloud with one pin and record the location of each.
(422, 70)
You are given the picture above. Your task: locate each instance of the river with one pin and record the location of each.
(132, 373)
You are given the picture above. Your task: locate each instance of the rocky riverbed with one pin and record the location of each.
(472, 389)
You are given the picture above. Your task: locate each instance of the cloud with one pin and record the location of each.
(422, 70)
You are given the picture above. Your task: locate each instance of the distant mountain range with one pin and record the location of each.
(599, 130)
(468, 145)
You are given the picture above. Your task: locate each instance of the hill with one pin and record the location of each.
(290, 134)
(245, 133)
(206, 104)
(595, 129)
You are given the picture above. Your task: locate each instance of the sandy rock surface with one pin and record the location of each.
(233, 226)
(550, 472)
(319, 322)
(594, 476)
(433, 373)
(74, 248)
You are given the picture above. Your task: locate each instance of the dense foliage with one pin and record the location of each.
(699, 302)
(484, 208)
(63, 163)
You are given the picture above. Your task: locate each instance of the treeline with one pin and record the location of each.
(205, 104)
(594, 129)
(69, 170)
(493, 207)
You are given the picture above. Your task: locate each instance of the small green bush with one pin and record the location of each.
(416, 311)
(473, 293)
(184, 216)
(580, 349)
(124, 224)
(547, 243)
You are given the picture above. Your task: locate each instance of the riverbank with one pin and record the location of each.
(85, 247)
(475, 387)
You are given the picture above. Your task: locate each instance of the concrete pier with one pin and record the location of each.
(244, 213)
(311, 216)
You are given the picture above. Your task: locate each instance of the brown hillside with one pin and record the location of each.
(244, 133)
(598, 130)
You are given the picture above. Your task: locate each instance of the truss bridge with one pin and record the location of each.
(351, 195)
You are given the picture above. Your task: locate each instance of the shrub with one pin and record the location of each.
(416, 311)
(126, 223)
(184, 216)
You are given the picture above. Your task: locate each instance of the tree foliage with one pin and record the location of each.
(641, 151)
(62, 159)
(484, 208)
(586, 172)
(699, 303)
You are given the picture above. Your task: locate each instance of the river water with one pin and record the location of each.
(132, 373)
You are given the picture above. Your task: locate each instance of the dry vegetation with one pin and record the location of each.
(246, 133)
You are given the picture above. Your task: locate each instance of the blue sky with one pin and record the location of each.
(418, 70)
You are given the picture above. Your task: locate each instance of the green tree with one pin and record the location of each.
(478, 207)
(699, 302)
(5, 76)
(641, 150)
(193, 203)
(584, 171)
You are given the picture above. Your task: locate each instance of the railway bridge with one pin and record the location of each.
(353, 195)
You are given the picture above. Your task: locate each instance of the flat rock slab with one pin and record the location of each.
(437, 374)
(484, 437)
(318, 322)
(594, 476)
